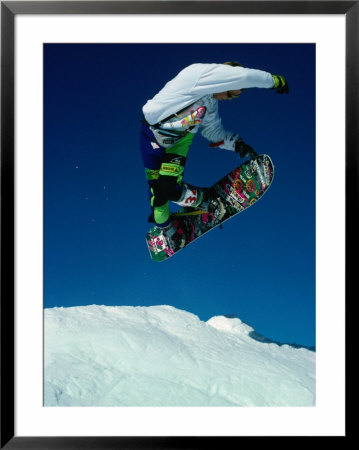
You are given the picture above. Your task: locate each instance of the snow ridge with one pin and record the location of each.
(161, 356)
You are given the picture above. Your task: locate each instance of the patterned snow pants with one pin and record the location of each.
(164, 168)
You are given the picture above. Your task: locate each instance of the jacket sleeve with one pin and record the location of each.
(212, 129)
(221, 77)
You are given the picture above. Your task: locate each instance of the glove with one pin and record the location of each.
(280, 84)
(244, 149)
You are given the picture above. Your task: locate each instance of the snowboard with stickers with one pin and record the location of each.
(238, 191)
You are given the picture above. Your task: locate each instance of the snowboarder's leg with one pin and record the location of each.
(164, 172)
(168, 186)
(152, 155)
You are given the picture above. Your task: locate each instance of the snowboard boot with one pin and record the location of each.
(205, 200)
(174, 234)
(212, 204)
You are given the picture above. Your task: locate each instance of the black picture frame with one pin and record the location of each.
(9, 9)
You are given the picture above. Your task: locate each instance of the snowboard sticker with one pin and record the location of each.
(238, 190)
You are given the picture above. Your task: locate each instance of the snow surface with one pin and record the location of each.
(161, 356)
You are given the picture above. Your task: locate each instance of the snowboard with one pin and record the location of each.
(238, 190)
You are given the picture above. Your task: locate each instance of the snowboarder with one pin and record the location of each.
(187, 103)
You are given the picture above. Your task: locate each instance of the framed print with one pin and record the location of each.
(242, 335)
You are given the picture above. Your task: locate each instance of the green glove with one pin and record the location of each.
(280, 84)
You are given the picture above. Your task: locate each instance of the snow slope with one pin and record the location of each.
(162, 356)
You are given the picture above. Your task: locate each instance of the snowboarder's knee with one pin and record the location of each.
(166, 188)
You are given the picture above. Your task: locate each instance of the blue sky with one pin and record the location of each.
(260, 266)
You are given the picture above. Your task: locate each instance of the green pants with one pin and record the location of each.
(164, 172)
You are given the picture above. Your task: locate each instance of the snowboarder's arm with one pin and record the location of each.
(213, 130)
(211, 126)
(222, 77)
(239, 146)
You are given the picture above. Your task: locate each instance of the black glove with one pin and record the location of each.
(244, 149)
(280, 84)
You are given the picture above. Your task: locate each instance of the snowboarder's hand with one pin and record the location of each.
(244, 149)
(280, 84)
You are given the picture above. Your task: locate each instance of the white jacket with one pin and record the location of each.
(201, 81)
